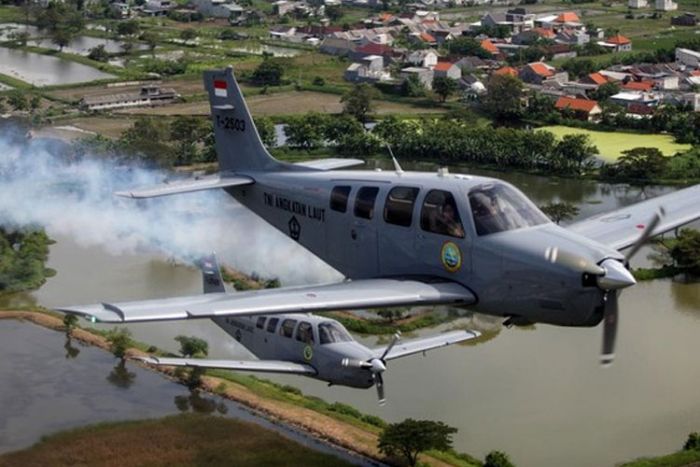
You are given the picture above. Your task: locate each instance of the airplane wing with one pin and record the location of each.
(621, 228)
(187, 186)
(414, 346)
(368, 293)
(330, 163)
(261, 366)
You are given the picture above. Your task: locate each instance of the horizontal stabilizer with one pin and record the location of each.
(367, 293)
(414, 346)
(262, 366)
(187, 186)
(330, 163)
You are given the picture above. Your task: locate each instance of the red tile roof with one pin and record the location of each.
(375, 49)
(583, 105)
(544, 32)
(639, 85)
(506, 70)
(425, 37)
(443, 66)
(488, 46)
(568, 17)
(597, 78)
(541, 69)
(618, 39)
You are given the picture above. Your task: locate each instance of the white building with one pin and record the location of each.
(688, 57)
(666, 5)
(637, 4)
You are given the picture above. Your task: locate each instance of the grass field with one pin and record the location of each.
(188, 439)
(610, 144)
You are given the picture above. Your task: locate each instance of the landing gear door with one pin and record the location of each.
(441, 241)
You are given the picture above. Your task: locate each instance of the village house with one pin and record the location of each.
(583, 109)
(425, 75)
(636, 4)
(688, 57)
(530, 36)
(426, 58)
(447, 70)
(368, 69)
(158, 7)
(635, 100)
(572, 37)
(665, 5)
(146, 96)
(217, 8)
(539, 72)
(617, 43)
(384, 51)
(338, 47)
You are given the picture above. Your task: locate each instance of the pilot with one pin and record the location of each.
(485, 214)
(447, 218)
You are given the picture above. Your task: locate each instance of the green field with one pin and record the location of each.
(610, 144)
(188, 439)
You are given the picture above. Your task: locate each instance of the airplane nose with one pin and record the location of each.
(616, 276)
(377, 365)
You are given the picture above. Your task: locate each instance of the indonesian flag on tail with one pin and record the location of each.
(220, 88)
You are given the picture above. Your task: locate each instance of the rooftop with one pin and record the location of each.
(584, 105)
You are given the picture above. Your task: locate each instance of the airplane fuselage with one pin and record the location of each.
(320, 342)
(369, 224)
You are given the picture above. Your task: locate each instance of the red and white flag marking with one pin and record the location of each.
(220, 88)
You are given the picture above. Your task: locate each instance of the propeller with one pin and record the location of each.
(611, 276)
(616, 278)
(646, 233)
(376, 365)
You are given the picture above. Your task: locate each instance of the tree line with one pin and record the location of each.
(23, 255)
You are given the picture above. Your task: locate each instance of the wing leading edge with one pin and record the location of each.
(368, 293)
(187, 186)
(261, 366)
(621, 228)
(414, 346)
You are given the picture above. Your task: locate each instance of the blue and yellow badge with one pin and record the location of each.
(308, 353)
(451, 257)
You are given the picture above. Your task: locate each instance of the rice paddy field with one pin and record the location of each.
(611, 144)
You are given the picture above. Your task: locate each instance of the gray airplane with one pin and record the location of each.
(306, 344)
(412, 238)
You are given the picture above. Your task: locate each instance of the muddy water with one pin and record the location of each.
(537, 394)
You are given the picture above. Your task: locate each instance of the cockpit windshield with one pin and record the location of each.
(330, 333)
(497, 207)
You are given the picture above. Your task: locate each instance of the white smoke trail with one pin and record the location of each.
(39, 187)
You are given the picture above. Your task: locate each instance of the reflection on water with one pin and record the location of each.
(72, 350)
(686, 297)
(43, 391)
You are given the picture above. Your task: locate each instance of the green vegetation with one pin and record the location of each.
(390, 326)
(191, 346)
(690, 455)
(611, 144)
(186, 439)
(407, 439)
(23, 255)
(497, 459)
(358, 101)
(119, 342)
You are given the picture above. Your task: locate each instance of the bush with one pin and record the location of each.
(345, 409)
(693, 442)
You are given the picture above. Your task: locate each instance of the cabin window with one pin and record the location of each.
(260, 323)
(398, 209)
(364, 202)
(339, 198)
(305, 333)
(440, 215)
(287, 328)
(272, 324)
(330, 333)
(497, 207)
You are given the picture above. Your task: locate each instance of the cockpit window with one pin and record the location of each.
(439, 214)
(497, 207)
(330, 333)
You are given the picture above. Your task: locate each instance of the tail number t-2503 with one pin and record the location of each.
(229, 123)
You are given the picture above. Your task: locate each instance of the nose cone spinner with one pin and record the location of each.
(616, 276)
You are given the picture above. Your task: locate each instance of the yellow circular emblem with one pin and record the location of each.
(308, 353)
(451, 256)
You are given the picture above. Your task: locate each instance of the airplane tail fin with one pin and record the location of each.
(212, 281)
(238, 144)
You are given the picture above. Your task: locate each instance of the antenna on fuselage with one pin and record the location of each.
(397, 167)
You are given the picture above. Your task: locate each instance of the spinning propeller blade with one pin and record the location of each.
(646, 233)
(379, 383)
(609, 329)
